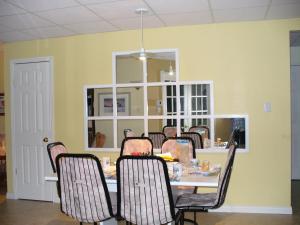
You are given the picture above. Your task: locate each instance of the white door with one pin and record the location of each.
(32, 122)
(295, 82)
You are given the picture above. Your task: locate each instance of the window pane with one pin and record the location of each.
(194, 90)
(155, 102)
(100, 101)
(100, 133)
(136, 126)
(129, 69)
(169, 91)
(225, 126)
(130, 101)
(161, 67)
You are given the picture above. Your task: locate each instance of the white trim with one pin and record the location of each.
(254, 209)
(11, 195)
(13, 62)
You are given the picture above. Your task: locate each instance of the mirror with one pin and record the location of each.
(136, 127)
(100, 134)
(129, 69)
(224, 128)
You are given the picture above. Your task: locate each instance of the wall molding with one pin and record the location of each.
(10, 195)
(254, 209)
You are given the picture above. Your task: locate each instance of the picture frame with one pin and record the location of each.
(2, 104)
(106, 104)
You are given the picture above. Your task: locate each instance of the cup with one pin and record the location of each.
(205, 166)
(177, 170)
(105, 162)
(194, 163)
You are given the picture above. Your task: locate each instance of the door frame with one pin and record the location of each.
(13, 62)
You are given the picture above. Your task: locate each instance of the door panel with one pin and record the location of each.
(32, 114)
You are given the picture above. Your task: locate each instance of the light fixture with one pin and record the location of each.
(142, 53)
(171, 71)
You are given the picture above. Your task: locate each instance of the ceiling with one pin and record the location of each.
(36, 19)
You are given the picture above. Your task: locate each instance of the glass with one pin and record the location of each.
(129, 69)
(159, 66)
(135, 125)
(100, 134)
(99, 102)
(224, 128)
(130, 101)
(155, 104)
(155, 125)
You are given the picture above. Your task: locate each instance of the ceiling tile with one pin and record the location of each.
(276, 2)
(86, 2)
(284, 11)
(4, 28)
(178, 6)
(119, 9)
(134, 23)
(186, 18)
(41, 5)
(14, 36)
(69, 15)
(23, 21)
(235, 4)
(242, 14)
(8, 9)
(91, 27)
(48, 32)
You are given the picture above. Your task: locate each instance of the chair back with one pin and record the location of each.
(170, 131)
(182, 148)
(197, 138)
(54, 149)
(202, 130)
(157, 138)
(129, 133)
(233, 138)
(144, 192)
(82, 187)
(225, 177)
(132, 145)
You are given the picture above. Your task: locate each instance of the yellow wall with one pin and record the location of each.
(2, 129)
(248, 63)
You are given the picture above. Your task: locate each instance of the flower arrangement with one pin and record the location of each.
(140, 153)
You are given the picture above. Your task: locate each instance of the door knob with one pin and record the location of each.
(45, 139)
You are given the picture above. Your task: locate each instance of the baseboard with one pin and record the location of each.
(10, 195)
(255, 209)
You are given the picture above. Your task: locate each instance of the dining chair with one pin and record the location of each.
(157, 138)
(202, 202)
(136, 145)
(177, 146)
(144, 193)
(54, 149)
(202, 130)
(197, 138)
(170, 131)
(82, 187)
(233, 138)
(129, 133)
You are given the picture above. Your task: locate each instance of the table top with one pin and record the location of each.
(195, 180)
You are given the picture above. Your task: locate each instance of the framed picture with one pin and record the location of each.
(106, 104)
(1, 104)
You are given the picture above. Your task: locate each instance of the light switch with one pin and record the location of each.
(267, 107)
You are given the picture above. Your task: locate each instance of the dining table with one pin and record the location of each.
(192, 177)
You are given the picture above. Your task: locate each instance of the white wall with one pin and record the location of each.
(295, 102)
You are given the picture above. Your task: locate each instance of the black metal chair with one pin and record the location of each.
(131, 145)
(144, 191)
(157, 138)
(233, 138)
(54, 149)
(193, 202)
(202, 130)
(82, 187)
(197, 138)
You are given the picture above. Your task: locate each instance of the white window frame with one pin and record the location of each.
(145, 117)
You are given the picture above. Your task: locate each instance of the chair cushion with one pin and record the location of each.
(188, 200)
